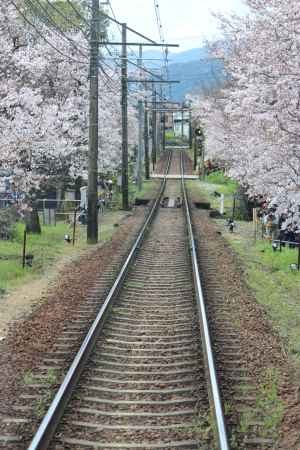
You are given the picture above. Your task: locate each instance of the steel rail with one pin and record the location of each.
(215, 397)
(49, 424)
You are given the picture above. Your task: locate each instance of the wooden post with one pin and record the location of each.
(255, 222)
(233, 208)
(74, 226)
(24, 248)
(222, 204)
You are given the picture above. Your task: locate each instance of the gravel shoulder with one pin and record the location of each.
(264, 350)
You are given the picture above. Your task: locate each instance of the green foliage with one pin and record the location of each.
(172, 139)
(218, 177)
(170, 135)
(58, 14)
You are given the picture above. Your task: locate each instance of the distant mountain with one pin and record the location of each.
(182, 57)
(196, 77)
(195, 70)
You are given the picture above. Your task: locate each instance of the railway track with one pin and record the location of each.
(143, 381)
(145, 377)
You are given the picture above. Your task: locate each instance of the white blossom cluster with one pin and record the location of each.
(253, 123)
(44, 94)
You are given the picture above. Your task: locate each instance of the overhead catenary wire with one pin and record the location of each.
(119, 26)
(138, 34)
(162, 39)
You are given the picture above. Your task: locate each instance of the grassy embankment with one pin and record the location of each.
(268, 273)
(148, 188)
(50, 247)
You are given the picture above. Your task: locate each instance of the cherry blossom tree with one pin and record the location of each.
(44, 105)
(253, 123)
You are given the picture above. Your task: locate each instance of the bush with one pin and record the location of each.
(217, 177)
(170, 135)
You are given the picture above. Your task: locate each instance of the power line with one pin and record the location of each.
(48, 19)
(67, 19)
(119, 27)
(12, 2)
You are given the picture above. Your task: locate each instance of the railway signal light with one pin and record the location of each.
(198, 132)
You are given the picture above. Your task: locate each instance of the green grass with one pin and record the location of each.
(273, 283)
(269, 409)
(148, 187)
(170, 135)
(47, 248)
(218, 177)
(172, 139)
(205, 190)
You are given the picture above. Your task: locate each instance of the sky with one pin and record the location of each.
(185, 22)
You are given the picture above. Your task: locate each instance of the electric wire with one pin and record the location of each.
(119, 27)
(67, 19)
(109, 79)
(165, 50)
(12, 2)
(54, 24)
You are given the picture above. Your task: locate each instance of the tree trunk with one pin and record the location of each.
(32, 221)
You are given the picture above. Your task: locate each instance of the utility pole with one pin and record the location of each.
(125, 202)
(203, 159)
(158, 132)
(154, 128)
(140, 145)
(92, 216)
(146, 141)
(164, 133)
